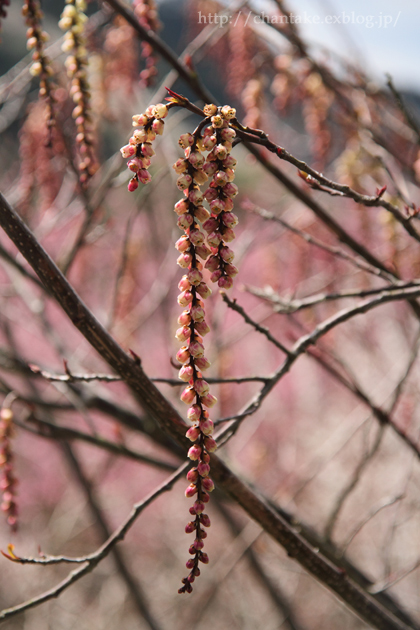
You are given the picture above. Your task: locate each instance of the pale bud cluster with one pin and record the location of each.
(193, 327)
(220, 166)
(73, 20)
(139, 149)
(35, 40)
(8, 481)
(147, 15)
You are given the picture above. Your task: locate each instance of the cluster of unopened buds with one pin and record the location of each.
(73, 20)
(139, 148)
(8, 481)
(213, 136)
(35, 40)
(146, 12)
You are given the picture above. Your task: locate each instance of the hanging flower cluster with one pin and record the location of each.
(220, 165)
(147, 15)
(8, 481)
(139, 148)
(214, 136)
(194, 290)
(73, 21)
(41, 66)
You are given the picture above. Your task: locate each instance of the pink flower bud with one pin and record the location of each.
(184, 260)
(192, 475)
(214, 239)
(210, 194)
(210, 444)
(181, 207)
(228, 235)
(185, 318)
(228, 134)
(188, 395)
(198, 544)
(228, 204)
(133, 184)
(228, 112)
(185, 221)
(226, 254)
(195, 196)
(186, 373)
(196, 350)
(211, 224)
(158, 126)
(194, 452)
(203, 290)
(147, 149)
(183, 244)
(201, 213)
(185, 298)
(202, 328)
(231, 270)
(220, 178)
(212, 263)
(203, 469)
(190, 528)
(198, 507)
(216, 275)
(197, 313)
(229, 162)
(195, 276)
(210, 109)
(144, 176)
(217, 206)
(151, 135)
(194, 413)
(200, 177)
(225, 282)
(196, 159)
(208, 401)
(201, 387)
(231, 190)
(160, 110)
(193, 434)
(210, 168)
(217, 121)
(205, 497)
(184, 284)
(183, 354)
(183, 333)
(180, 166)
(209, 142)
(229, 219)
(220, 151)
(205, 520)
(135, 164)
(202, 363)
(196, 237)
(202, 251)
(140, 119)
(184, 181)
(206, 426)
(186, 140)
(190, 563)
(140, 135)
(128, 150)
(230, 174)
(208, 484)
(203, 557)
(190, 491)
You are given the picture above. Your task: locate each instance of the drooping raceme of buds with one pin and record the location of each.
(139, 149)
(8, 481)
(220, 166)
(193, 327)
(73, 21)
